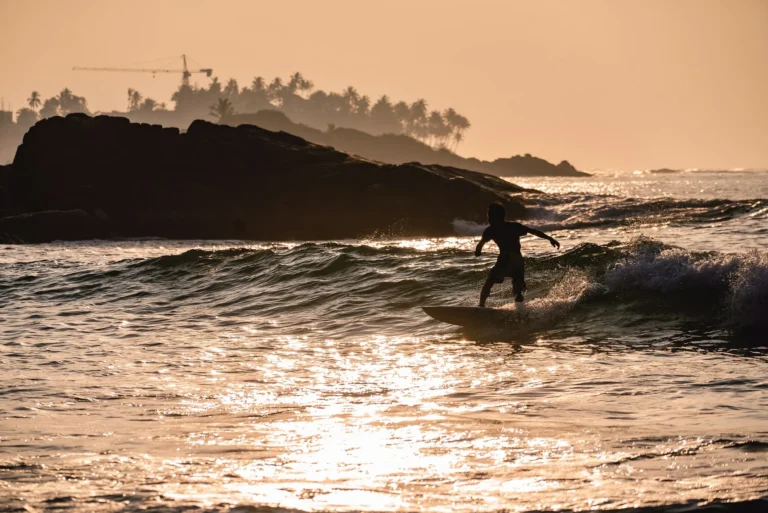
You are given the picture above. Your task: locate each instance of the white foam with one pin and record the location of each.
(467, 228)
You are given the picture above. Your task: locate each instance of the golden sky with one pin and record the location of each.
(621, 84)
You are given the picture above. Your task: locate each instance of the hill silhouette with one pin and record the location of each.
(399, 149)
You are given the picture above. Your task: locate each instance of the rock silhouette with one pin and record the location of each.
(106, 176)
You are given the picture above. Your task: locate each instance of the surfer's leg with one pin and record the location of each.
(496, 275)
(485, 292)
(518, 279)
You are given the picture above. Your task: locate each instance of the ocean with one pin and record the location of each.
(159, 375)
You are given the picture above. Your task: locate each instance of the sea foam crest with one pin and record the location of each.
(738, 281)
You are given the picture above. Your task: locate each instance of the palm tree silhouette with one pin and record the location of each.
(258, 85)
(417, 119)
(148, 105)
(69, 102)
(363, 106)
(351, 96)
(294, 82)
(34, 100)
(26, 117)
(231, 90)
(215, 86)
(134, 99)
(402, 112)
(275, 90)
(50, 108)
(461, 125)
(222, 108)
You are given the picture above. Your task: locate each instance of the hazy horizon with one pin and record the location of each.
(604, 85)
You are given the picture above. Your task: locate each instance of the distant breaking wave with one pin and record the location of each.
(574, 211)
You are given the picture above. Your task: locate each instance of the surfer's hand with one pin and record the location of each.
(554, 243)
(477, 252)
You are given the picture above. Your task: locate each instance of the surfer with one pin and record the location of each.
(506, 235)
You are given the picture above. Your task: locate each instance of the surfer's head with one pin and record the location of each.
(496, 213)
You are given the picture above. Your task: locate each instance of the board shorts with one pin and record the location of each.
(510, 265)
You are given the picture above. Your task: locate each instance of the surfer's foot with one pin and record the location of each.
(519, 298)
(481, 305)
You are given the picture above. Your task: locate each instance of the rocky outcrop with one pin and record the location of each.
(52, 225)
(398, 149)
(135, 180)
(528, 165)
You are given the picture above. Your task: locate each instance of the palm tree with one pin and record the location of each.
(383, 118)
(231, 90)
(351, 96)
(65, 95)
(402, 112)
(363, 106)
(50, 108)
(34, 100)
(457, 138)
(461, 125)
(215, 86)
(258, 85)
(148, 105)
(69, 102)
(222, 108)
(306, 86)
(26, 117)
(275, 90)
(417, 119)
(458, 124)
(134, 99)
(298, 84)
(437, 128)
(294, 82)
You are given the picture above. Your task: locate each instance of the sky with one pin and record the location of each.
(604, 84)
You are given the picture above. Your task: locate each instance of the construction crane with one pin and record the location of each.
(185, 72)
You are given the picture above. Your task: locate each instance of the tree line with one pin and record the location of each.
(296, 97)
(66, 102)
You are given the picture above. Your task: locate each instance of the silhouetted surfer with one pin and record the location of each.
(506, 235)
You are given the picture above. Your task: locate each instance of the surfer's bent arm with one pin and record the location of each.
(482, 242)
(543, 235)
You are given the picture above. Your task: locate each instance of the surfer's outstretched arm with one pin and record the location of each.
(543, 235)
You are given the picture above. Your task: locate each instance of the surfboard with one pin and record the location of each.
(472, 316)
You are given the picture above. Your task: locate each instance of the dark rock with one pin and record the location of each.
(105, 175)
(51, 225)
(528, 165)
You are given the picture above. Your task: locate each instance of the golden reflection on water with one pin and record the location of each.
(373, 426)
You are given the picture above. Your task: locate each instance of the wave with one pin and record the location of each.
(380, 286)
(575, 211)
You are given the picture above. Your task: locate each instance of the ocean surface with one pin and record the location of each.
(157, 375)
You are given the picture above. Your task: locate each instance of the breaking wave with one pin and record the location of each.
(343, 287)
